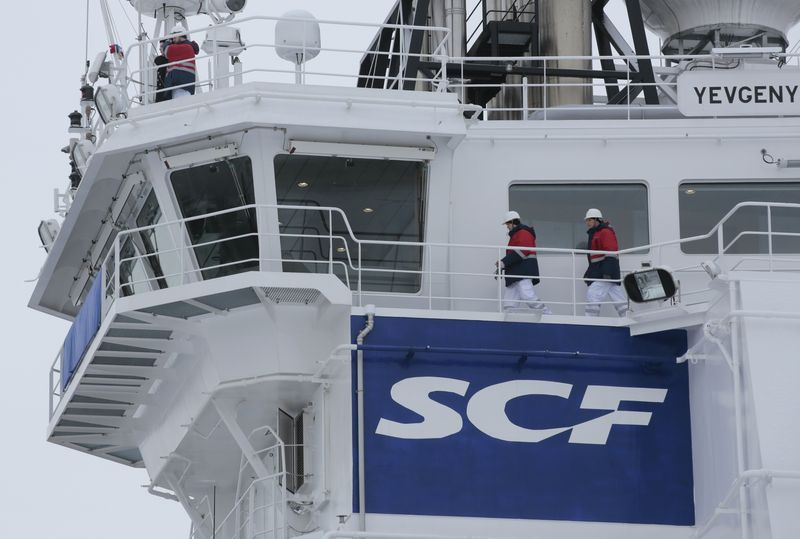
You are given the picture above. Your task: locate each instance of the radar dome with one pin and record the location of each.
(297, 37)
(686, 26)
(150, 7)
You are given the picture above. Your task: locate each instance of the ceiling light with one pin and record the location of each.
(302, 185)
(368, 210)
(340, 249)
(690, 191)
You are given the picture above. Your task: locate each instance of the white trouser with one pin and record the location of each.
(598, 291)
(179, 92)
(522, 295)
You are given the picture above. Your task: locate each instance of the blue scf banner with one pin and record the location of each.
(504, 420)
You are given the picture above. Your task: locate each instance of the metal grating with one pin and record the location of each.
(292, 296)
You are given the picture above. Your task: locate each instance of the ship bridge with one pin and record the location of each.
(285, 303)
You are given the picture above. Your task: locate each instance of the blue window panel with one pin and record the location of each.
(83, 330)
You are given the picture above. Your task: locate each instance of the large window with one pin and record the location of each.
(227, 243)
(556, 211)
(704, 204)
(383, 200)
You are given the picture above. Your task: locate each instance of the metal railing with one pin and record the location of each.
(438, 287)
(341, 253)
(527, 97)
(258, 511)
(258, 61)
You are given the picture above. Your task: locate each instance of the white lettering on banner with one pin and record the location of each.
(438, 420)
(487, 410)
(739, 93)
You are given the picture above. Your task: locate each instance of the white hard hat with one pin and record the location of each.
(178, 31)
(593, 213)
(510, 216)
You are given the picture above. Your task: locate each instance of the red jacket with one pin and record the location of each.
(603, 239)
(601, 266)
(521, 263)
(184, 53)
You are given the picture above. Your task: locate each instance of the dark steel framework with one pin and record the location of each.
(381, 65)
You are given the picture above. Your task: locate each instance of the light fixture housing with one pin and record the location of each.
(652, 284)
(110, 103)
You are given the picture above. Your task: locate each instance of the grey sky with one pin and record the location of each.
(49, 491)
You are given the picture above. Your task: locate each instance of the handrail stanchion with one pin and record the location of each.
(525, 99)
(360, 298)
(499, 277)
(574, 287)
(769, 234)
(116, 266)
(430, 276)
(330, 242)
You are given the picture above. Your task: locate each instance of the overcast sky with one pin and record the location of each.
(49, 491)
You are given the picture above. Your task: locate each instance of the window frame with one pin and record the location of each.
(725, 181)
(644, 250)
(424, 195)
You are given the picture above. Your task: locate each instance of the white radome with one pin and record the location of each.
(150, 7)
(297, 40)
(668, 18)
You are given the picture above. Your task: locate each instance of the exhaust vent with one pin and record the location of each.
(292, 296)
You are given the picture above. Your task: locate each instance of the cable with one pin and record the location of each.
(124, 12)
(86, 61)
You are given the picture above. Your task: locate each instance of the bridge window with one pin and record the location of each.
(556, 211)
(704, 204)
(383, 201)
(228, 243)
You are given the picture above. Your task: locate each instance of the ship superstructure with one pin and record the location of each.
(283, 289)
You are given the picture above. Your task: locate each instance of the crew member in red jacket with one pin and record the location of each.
(181, 66)
(602, 266)
(520, 267)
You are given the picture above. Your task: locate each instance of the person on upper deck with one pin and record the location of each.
(182, 68)
(520, 267)
(602, 266)
(161, 73)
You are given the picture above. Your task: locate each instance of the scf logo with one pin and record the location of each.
(487, 410)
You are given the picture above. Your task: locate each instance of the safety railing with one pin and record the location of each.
(435, 286)
(258, 511)
(551, 88)
(541, 88)
(222, 64)
(541, 84)
(421, 279)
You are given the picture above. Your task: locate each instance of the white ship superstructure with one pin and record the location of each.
(283, 288)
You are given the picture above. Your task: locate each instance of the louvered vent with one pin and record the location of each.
(292, 296)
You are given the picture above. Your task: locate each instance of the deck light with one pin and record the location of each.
(690, 192)
(110, 103)
(650, 285)
(368, 210)
(302, 185)
(75, 121)
(340, 249)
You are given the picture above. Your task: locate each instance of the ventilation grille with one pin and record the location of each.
(292, 296)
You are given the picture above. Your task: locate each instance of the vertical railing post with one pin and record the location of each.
(251, 503)
(360, 299)
(574, 283)
(769, 234)
(430, 275)
(116, 266)
(525, 98)
(181, 247)
(330, 242)
(499, 277)
(544, 87)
